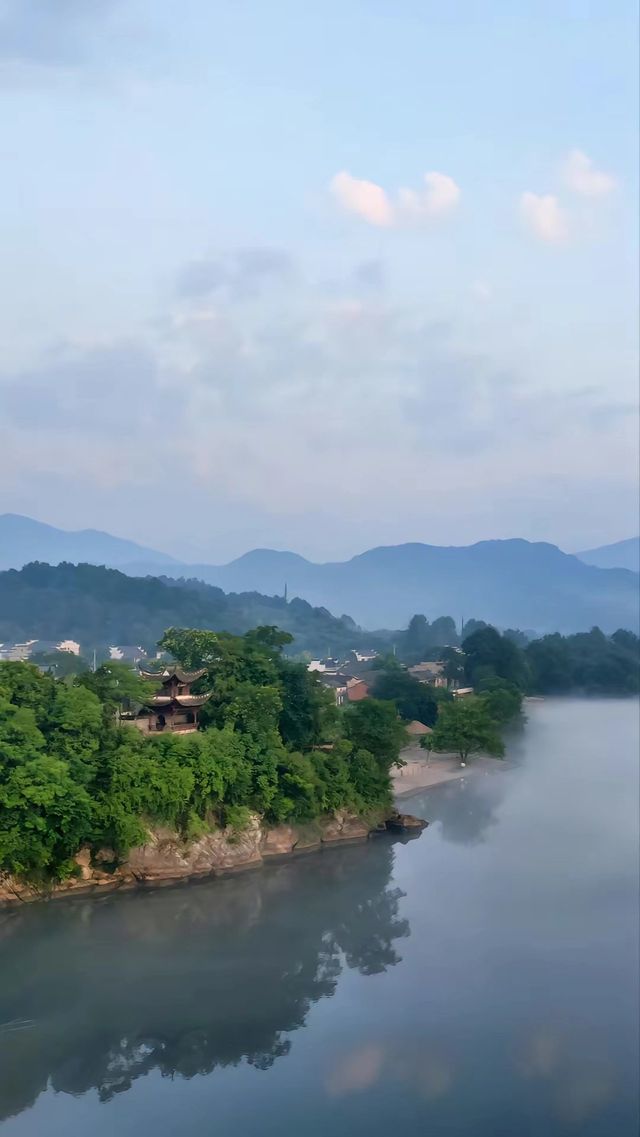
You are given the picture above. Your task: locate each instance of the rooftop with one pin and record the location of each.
(418, 729)
(173, 672)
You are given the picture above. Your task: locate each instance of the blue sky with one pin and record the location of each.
(320, 279)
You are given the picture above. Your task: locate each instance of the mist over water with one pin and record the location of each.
(481, 979)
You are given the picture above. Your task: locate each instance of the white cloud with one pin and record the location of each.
(544, 216)
(367, 199)
(440, 196)
(584, 178)
(371, 202)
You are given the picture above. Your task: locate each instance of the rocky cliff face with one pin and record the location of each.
(166, 858)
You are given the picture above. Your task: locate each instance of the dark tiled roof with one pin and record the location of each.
(172, 672)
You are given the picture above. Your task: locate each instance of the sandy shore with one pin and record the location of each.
(420, 774)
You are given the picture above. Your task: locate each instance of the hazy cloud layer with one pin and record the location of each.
(239, 274)
(365, 405)
(52, 33)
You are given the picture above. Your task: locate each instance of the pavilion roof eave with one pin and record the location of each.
(178, 673)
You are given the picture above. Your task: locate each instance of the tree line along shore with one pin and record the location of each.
(271, 740)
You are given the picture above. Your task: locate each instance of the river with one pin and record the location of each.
(481, 979)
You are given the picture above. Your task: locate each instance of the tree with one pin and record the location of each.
(309, 713)
(416, 638)
(44, 818)
(453, 660)
(520, 639)
(60, 664)
(489, 655)
(472, 626)
(373, 725)
(25, 686)
(465, 727)
(443, 632)
(503, 700)
(115, 684)
(549, 661)
(44, 813)
(413, 700)
(73, 729)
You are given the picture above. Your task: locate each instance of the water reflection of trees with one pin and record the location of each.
(102, 992)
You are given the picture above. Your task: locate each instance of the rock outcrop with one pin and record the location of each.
(166, 858)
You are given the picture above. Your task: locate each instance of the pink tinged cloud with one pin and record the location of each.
(544, 216)
(583, 177)
(371, 202)
(366, 199)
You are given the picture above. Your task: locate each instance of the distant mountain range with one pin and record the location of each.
(512, 583)
(623, 554)
(23, 540)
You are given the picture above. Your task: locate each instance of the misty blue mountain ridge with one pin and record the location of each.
(507, 582)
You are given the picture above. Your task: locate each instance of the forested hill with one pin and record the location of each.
(100, 606)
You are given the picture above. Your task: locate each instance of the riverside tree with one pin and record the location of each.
(465, 727)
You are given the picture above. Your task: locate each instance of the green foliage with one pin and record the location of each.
(423, 640)
(309, 714)
(116, 684)
(588, 662)
(237, 817)
(71, 773)
(465, 727)
(61, 664)
(374, 726)
(414, 700)
(488, 655)
(44, 813)
(503, 700)
(99, 606)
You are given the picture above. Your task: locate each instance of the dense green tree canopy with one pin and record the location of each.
(373, 725)
(588, 662)
(488, 655)
(99, 607)
(466, 727)
(71, 773)
(414, 700)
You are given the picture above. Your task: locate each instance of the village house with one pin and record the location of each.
(357, 689)
(346, 688)
(19, 653)
(337, 682)
(127, 653)
(429, 672)
(364, 656)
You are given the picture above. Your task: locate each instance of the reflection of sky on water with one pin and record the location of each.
(481, 979)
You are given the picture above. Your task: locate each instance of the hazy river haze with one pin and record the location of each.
(481, 979)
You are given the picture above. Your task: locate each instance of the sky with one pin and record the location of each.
(320, 277)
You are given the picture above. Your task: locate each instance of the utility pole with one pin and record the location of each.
(94, 661)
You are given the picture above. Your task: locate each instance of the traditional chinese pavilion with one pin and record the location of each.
(173, 707)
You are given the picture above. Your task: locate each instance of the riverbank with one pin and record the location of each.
(422, 773)
(166, 858)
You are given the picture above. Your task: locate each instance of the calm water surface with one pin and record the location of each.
(481, 979)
